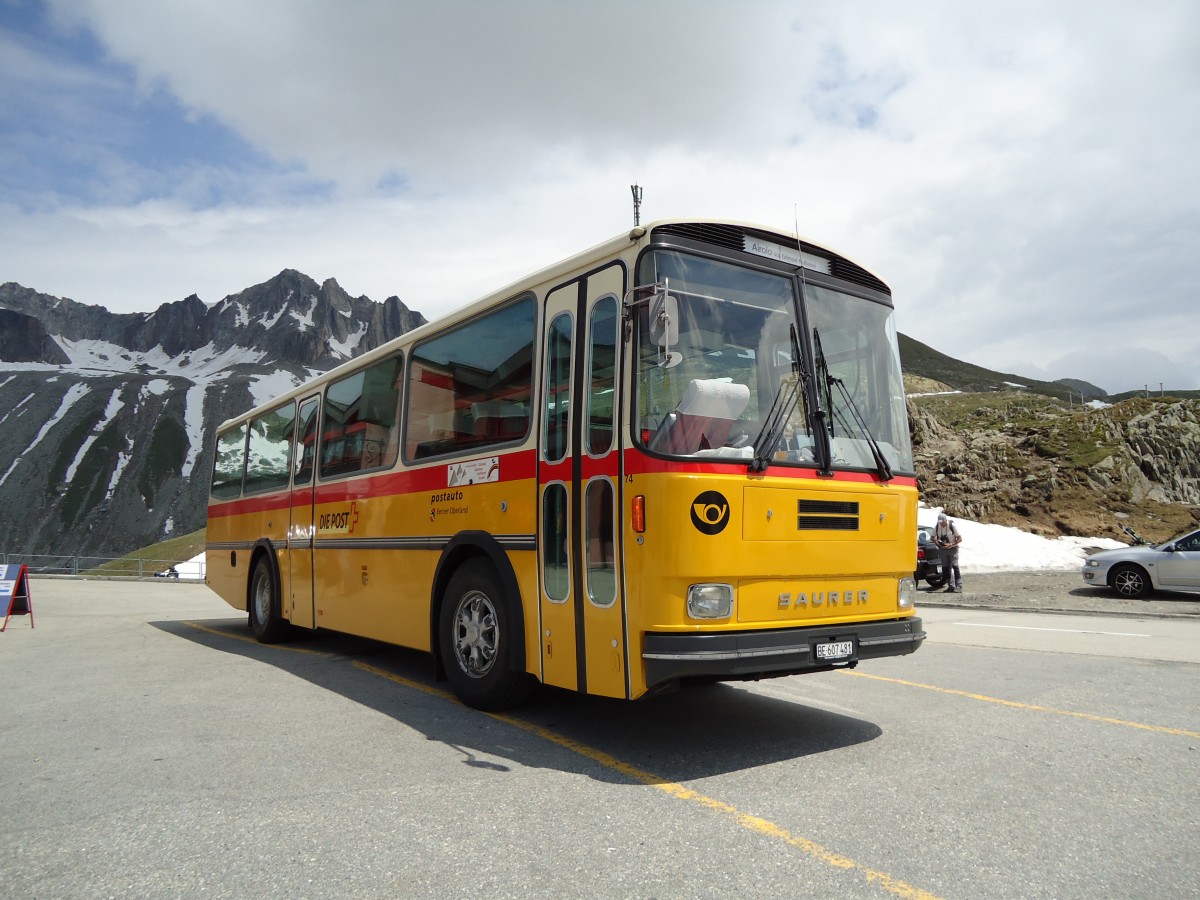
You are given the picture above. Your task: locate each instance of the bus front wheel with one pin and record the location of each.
(265, 620)
(476, 626)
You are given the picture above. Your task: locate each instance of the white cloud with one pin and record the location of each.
(1119, 363)
(1018, 172)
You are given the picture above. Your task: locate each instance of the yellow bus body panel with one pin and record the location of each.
(226, 580)
(384, 591)
(844, 575)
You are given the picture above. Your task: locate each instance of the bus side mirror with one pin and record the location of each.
(664, 327)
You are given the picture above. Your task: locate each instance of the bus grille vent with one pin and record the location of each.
(827, 515)
(826, 523)
(732, 237)
(835, 507)
(855, 274)
(727, 236)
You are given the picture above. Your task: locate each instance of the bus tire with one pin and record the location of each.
(265, 619)
(477, 624)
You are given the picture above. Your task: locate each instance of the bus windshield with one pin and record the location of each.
(726, 371)
(858, 374)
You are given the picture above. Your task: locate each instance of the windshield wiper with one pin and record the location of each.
(881, 463)
(824, 426)
(782, 407)
(826, 380)
(772, 431)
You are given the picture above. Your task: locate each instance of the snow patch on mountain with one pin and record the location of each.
(123, 458)
(207, 361)
(110, 412)
(95, 357)
(268, 321)
(346, 348)
(28, 397)
(74, 394)
(193, 423)
(306, 319)
(264, 388)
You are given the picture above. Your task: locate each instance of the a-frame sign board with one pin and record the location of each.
(14, 594)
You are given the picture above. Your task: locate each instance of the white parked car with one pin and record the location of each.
(1137, 570)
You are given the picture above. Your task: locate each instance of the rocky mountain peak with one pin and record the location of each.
(23, 338)
(109, 417)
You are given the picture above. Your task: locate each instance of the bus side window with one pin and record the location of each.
(305, 459)
(557, 388)
(228, 463)
(268, 457)
(469, 387)
(361, 429)
(602, 362)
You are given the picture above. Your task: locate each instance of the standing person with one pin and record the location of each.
(946, 536)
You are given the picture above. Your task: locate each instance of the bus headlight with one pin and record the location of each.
(710, 601)
(908, 593)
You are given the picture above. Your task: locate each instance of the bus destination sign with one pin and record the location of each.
(791, 255)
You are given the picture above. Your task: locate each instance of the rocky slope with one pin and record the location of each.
(1053, 468)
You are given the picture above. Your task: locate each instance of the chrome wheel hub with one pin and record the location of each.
(475, 634)
(262, 600)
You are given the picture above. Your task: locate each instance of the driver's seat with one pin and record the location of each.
(703, 418)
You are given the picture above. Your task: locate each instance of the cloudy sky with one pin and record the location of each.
(1022, 174)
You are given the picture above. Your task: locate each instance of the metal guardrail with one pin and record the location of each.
(106, 567)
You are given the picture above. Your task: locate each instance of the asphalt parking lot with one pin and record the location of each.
(1056, 592)
(152, 748)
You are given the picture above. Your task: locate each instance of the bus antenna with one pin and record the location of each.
(637, 204)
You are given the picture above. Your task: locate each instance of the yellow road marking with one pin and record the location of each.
(672, 788)
(1032, 707)
(252, 640)
(680, 792)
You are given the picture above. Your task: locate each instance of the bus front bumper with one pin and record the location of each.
(737, 655)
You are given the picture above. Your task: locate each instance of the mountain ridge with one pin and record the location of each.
(105, 418)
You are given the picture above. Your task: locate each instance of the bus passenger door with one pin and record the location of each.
(299, 605)
(582, 606)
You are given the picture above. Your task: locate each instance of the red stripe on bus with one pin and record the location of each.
(519, 465)
(637, 463)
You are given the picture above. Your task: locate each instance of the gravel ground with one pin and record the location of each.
(1055, 592)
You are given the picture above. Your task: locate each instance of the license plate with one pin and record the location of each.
(835, 650)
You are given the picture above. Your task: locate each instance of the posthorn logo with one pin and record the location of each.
(710, 512)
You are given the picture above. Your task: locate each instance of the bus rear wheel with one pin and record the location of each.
(265, 619)
(477, 625)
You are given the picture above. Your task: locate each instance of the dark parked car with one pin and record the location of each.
(929, 561)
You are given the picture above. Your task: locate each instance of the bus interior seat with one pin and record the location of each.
(500, 420)
(703, 418)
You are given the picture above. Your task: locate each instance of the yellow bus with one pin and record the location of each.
(681, 455)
